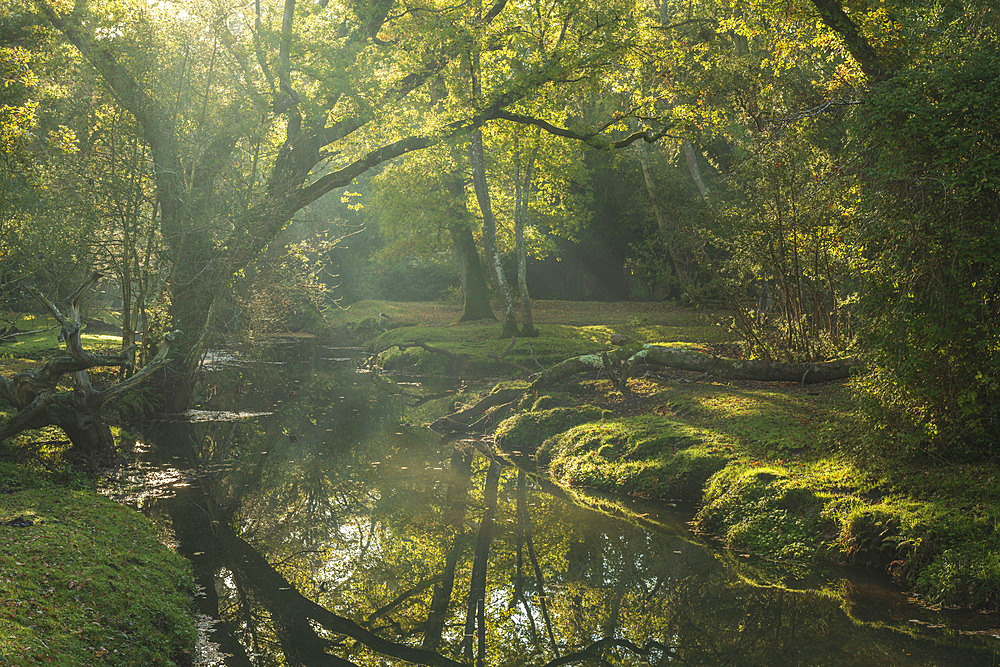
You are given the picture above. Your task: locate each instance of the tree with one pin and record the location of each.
(331, 99)
(419, 202)
(39, 402)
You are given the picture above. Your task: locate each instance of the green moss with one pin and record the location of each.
(646, 455)
(526, 432)
(87, 582)
(765, 511)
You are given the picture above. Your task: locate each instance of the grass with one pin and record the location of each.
(86, 582)
(566, 329)
(45, 340)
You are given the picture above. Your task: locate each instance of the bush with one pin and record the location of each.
(930, 240)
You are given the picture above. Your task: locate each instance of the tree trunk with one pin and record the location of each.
(836, 19)
(474, 287)
(522, 195)
(35, 395)
(668, 234)
(84, 424)
(692, 162)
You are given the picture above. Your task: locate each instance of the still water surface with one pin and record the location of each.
(327, 526)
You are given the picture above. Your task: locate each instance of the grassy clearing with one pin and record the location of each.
(45, 340)
(566, 329)
(86, 582)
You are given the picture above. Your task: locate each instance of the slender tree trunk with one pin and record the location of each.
(490, 249)
(522, 195)
(667, 233)
(481, 186)
(692, 162)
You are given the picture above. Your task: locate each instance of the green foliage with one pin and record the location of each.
(931, 243)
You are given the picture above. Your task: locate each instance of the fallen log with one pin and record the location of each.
(465, 420)
(686, 359)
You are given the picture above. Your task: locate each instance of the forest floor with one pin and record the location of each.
(777, 470)
(83, 580)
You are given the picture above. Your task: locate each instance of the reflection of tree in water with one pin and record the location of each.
(312, 554)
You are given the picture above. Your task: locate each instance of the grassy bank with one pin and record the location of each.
(83, 580)
(389, 330)
(774, 467)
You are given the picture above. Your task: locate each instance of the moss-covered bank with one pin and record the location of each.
(84, 580)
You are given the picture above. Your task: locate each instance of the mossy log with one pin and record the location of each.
(686, 359)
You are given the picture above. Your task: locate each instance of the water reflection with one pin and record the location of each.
(329, 534)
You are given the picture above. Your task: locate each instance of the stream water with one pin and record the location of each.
(327, 526)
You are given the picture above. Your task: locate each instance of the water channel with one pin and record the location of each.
(327, 526)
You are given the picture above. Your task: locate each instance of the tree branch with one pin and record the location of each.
(836, 19)
(594, 139)
(159, 360)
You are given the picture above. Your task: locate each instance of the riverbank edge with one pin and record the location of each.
(754, 507)
(85, 580)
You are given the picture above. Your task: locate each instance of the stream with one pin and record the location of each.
(327, 526)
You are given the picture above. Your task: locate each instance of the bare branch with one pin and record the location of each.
(159, 360)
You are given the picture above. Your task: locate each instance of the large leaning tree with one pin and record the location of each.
(40, 401)
(252, 112)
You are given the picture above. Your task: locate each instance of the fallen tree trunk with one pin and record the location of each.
(469, 419)
(686, 359)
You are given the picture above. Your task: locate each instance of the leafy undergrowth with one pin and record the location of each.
(84, 580)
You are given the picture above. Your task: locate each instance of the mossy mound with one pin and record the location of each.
(644, 455)
(84, 581)
(765, 511)
(524, 433)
